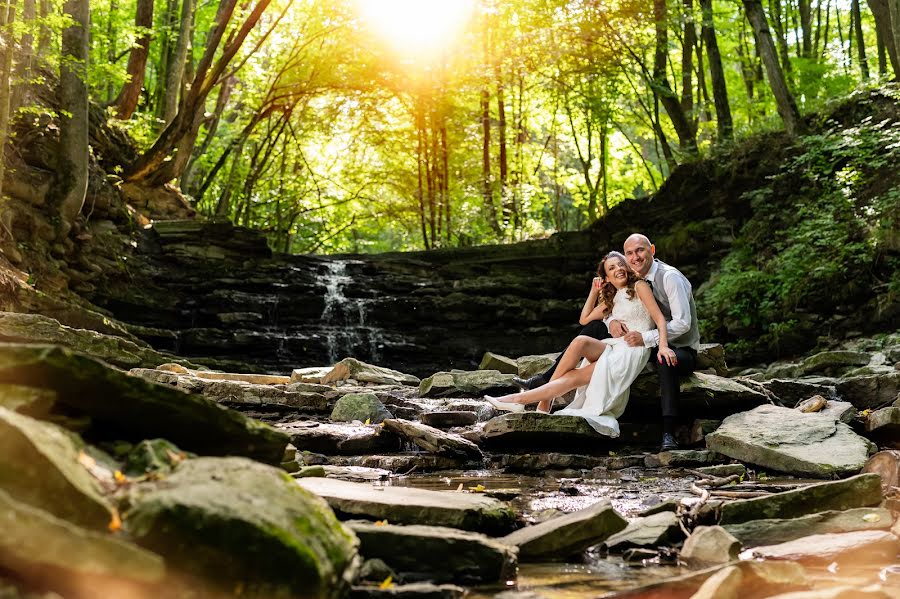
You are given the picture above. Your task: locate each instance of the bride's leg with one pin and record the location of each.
(558, 386)
(581, 347)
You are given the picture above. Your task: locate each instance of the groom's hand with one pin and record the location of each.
(634, 339)
(617, 329)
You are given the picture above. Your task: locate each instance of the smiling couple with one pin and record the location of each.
(638, 309)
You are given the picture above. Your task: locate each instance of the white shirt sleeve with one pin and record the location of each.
(678, 290)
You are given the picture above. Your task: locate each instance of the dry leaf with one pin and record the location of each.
(115, 523)
(381, 522)
(368, 421)
(120, 478)
(478, 488)
(386, 583)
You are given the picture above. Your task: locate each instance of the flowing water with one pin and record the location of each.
(344, 318)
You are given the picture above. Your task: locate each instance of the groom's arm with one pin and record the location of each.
(678, 290)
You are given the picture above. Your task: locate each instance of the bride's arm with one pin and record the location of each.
(592, 310)
(646, 295)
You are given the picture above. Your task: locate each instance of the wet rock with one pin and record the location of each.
(51, 553)
(375, 570)
(448, 419)
(669, 505)
(153, 455)
(434, 440)
(124, 407)
(116, 350)
(502, 364)
(531, 430)
(351, 368)
(364, 407)
(683, 458)
(710, 545)
(780, 530)
(637, 555)
(650, 531)
(461, 382)
(789, 441)
(531, 365)
(870, 392)
(812, 404)
(863, 490)
(539, 462)
(233, 521)
(886, 464)
(724, 584)
(790, 391)
(564, 536)
(884, 426)
(44, 465)
(839, 592)
(404, 505)
(864, 547)
(435, 553)
(723, 470)
(342, 439)
(402, 464)
(418, 590)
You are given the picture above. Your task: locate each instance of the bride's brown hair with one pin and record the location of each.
(607, 289)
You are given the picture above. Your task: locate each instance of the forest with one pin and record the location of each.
(374, 125)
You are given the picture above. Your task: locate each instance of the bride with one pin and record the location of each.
(608, 366)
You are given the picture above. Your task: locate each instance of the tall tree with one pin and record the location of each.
(887, 23)
(687, 136)
(724, 124)
(175, 70)
(784, 100)
(127, 100)
(7, 17)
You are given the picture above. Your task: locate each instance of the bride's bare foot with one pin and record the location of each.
(504, 403)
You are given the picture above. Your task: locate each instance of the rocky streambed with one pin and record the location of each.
(158, 478)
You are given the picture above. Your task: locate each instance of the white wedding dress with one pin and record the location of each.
(604, 398)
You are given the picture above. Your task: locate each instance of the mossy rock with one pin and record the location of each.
(154, 455)
(360, 406)
(502, 364)
(232, 521)
(130, 408)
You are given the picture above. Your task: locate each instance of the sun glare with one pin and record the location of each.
(417, 28)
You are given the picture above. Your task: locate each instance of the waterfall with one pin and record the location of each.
(344, 323)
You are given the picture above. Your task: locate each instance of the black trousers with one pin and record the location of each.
(596, 329)
(669, 377)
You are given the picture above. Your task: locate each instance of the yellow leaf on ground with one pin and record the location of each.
(381, 523)
(120, 478)
(368, 421)
(477, 489)
(115, 523)
(386, 583)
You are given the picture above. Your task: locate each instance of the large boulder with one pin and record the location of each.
(436, 553)
(702, 396)
(870, 391)
(44, 465)
(833, 362)
(51, 553)
(529, 366)
(232, 521)
(790, 441)
(863, 490)
(567, 535)
(434, 440)
(404, 505)
(130, 408)
(462, 382)
(351, 368)
(884, 426)
(365, 407)
(492, 361)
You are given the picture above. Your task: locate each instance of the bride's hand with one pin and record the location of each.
(596, 284)
(668, 355)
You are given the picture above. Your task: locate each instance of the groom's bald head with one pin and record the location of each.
(639, 253)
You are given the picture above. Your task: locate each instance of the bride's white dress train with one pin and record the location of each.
(604, 398)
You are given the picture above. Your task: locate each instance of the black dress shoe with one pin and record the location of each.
(528, 384)
(668, 443)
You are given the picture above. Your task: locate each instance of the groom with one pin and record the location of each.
(673, 293)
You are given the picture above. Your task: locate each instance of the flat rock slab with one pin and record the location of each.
(338, 438)
(790, 441)
(863, 490)
(683, 457)
(791, 391)
(567, 535)
(884, 426)
(502, 364)
(254, 379)
(702, 396)
(44, 465)
(434, 440)
(462, 382)
(864, 547)
(356, 473)
(539, 462)
(404, 505)
(650, 531)
(233, 521)
(780, 530)
(870, 391)
(532, 430)
(124, 407)
(56, 554)
(710, 545)
(351, 368)
(436, 553)
(449, 419)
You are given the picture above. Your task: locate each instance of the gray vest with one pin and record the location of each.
(692, 337)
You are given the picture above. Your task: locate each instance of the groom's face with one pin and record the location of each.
(639, 255)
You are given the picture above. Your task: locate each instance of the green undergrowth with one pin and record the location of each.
(820, 252)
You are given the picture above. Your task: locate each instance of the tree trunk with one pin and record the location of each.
(787, 107)
(24, 58)
(175, 72)
(783, 50)
(44, 32)
(860, 42)
(687, 139)
(7, 17)
(501, 134)
(111, 44)
(128, 98)
(806, 27)
(604, 161)
(445, 160)
(166, 53)
(70, 183)
(724, 124)
(883, 11)
(420, 159)
(211, 127)
(486, 186)
(687, 61)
